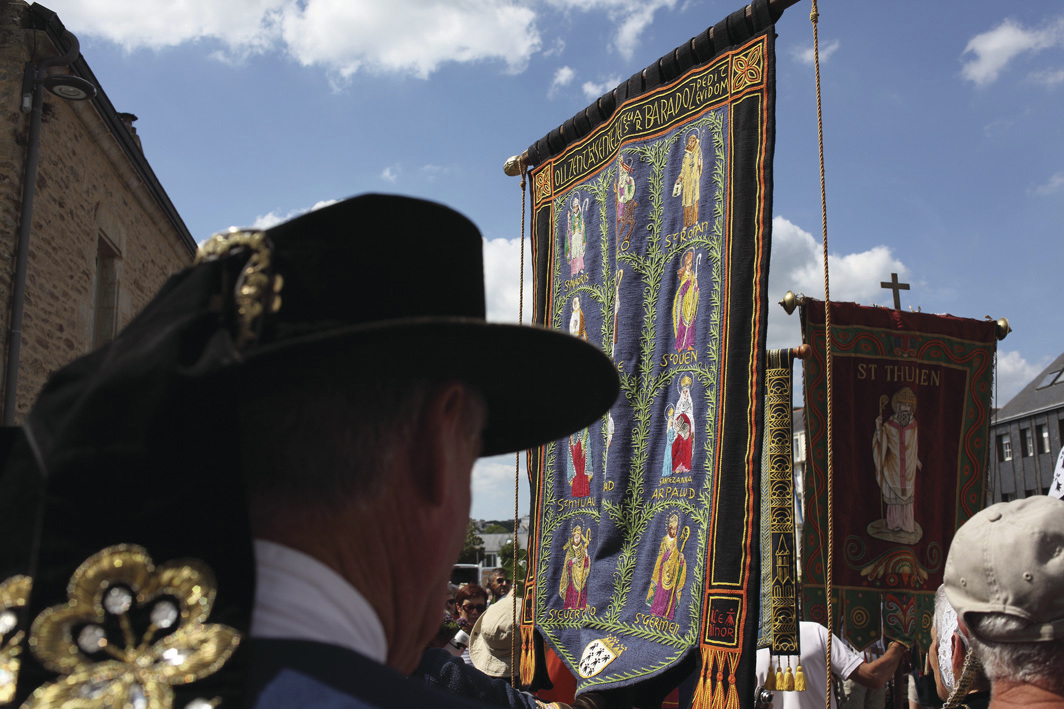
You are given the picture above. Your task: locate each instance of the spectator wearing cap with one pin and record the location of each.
(959, 677)
(1004, 576)
(492, 640)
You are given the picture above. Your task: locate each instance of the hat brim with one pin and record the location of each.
(539, 384)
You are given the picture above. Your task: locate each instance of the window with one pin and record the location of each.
(1028, 442)
(1043, 438)
(1004, 448)
(1007, 497)
(106, 313)
(1028, 493)
(799, 447)
(1050, 379)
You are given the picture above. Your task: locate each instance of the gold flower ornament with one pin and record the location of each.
(129, 632)
(14, 594)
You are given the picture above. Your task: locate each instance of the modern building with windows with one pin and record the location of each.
(1026, 437)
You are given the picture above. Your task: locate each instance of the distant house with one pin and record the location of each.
(102, 236)
(1026, 436)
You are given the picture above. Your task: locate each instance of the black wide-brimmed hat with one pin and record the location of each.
(400, 281)
(141, 565)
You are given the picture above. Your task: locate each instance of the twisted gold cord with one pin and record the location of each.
(814, 16)
(517, 455)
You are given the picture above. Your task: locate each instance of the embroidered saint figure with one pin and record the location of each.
(681, 445)
(895, 455)
(670, 436)
(682, 439)
(670, 571)
(577, 328)
(687, 184)
(573, 587)
(617, 302)
(625, 189)
(685, 302)
(575, 237)
(580, 468)
(610, 427)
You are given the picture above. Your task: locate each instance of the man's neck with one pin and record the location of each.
(1020, 695)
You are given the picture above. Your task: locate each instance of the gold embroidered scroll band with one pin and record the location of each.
(257, 291)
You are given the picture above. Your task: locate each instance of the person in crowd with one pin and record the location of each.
(1003, 576)
(845, 664)
(499, 585)
(959, 677)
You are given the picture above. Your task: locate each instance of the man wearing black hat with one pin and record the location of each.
(251, 495)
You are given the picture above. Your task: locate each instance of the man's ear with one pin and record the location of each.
(443, 441)
(958, 651)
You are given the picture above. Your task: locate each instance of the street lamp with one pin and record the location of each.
(72, 88)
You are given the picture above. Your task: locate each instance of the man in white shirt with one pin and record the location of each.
(845, 663)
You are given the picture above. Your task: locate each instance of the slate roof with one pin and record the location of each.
(1043, 393)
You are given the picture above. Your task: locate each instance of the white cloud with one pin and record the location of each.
(993, 50)
(390, 174)
(630, 18)
(1014, 373)
(804, 54)
(1054, 185)
(502, 279)
(798, 265)
(493, 487)
(344, 36)
(1048, 77)
(562, 78)
(274, 218)
(408, 36)
(594, 90)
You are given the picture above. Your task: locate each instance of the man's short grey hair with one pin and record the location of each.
(1036, 663)
(332, 434)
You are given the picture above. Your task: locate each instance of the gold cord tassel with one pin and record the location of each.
(788, 679)
(770, 676)
(799, 680)
(733, 692)
(704, 691)
(718, 692)
(780, 677)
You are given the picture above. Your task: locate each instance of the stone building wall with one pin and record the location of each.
(97, 218)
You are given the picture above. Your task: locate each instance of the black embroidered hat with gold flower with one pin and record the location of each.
(142, 573)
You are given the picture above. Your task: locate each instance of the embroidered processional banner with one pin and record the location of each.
(910, 433)
(778, 624)
(651, 231)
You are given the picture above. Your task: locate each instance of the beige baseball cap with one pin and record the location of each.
(1009, 558)
(489, 641)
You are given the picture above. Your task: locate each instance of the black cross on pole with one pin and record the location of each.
(896, 287)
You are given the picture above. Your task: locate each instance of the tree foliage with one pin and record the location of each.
(473, 550)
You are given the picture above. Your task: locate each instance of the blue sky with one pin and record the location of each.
(944, 142)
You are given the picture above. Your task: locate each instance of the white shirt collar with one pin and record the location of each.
(299, 598)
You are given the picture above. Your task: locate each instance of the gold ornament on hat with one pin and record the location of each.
(110, 660)
(257, 291)
(14, 594)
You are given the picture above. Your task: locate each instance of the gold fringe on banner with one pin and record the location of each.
(718, 693)
(799, 680)
(733, 691)
(770, 676)
(528, 655)
(704, 690)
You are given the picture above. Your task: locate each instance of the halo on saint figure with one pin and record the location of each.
(684, 382)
